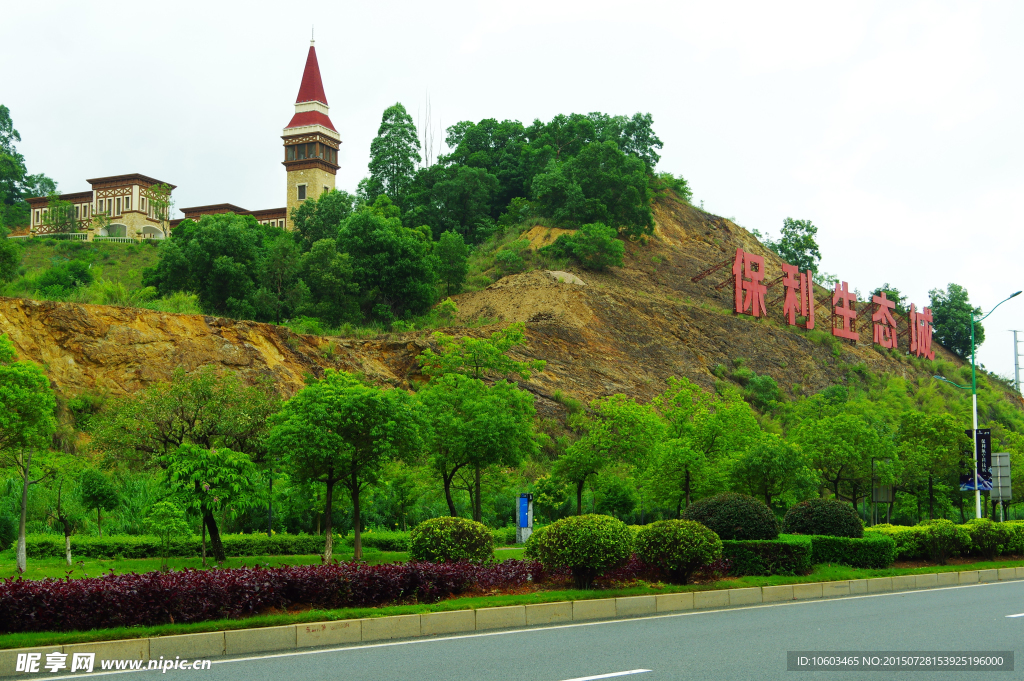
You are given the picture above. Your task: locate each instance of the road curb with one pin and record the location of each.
(315, 634)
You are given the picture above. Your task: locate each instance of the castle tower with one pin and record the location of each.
(310, 141)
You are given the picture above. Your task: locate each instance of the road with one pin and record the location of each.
(738, 643)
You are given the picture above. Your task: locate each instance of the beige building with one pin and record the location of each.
(129, 208)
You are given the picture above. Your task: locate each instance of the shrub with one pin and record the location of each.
(8, 531)
(146, 546)
(762, 391)
(988, 539)
(873, 551)
(588, 545)
(1015, 536)
(594, 246)
(763, 557)
(735, 516)
(447, 539)
(911, 542)
(153, 598)
(677, 547)
(504, 536)
(823, 517)
(945, 539)
(385, 540)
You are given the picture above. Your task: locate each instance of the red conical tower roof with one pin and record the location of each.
(308, 109)
(312, 88)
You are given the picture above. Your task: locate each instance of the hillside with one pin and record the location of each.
(626, 330)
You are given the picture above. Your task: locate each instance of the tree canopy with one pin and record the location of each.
(951, 314)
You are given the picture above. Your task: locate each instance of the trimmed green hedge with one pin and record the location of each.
(385, 540)
(767, 557)
(877, 551)
(146, 546)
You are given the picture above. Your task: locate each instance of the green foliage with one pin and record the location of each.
(951, 325)
(676, 183)
(911, 541)
(599, 184)
(988, 539)
(182, 545)
(318, 219)
(762, 391)
(8, 531)
(446, 540)
(26, 407)
(587, 544)
(771, 468)
(16, 185)
(873, 551)
(394, 153)
(823, 517)
(796, 244)
(98, 494)
(735, 516)
(452, 254)
(166, 520)
(677, 547)
(593, 246)
(759, 557)
(60, 279)
(10, 256)
(945, 540)
(478, 357)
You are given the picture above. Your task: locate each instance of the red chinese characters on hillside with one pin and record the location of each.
(748, 278)
(921, 333)
(750, 291)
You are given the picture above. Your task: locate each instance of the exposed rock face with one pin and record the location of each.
(625, 330)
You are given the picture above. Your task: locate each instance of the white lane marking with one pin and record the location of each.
(574, 625)
(610, 676)
(1021, 614)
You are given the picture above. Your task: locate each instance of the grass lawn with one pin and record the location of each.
(39, 568)
(113, 261)
(821, 573)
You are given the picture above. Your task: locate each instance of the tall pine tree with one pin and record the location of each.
(394, 153)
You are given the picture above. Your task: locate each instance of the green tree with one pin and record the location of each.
(594, 246)
(453, 264)
(771, 468)
(10, 256)
(338, 430)
(676, 183)
(839, 448)
(394, 153)
(281, 290)
(98, 494)
(64, 508)
(320, 218)
(327, 274)
(16, 184)
(477, 357)
(166, 520)
(929, 447)
(468, 424)
(392, 265)
(796, 244)
(599, 184)
(951, 315)
(26, 423)
(206, 481)
(701, 428)
(60, 216)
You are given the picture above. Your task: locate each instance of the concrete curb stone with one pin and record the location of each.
(190, 646)
(386, 628)
(451, 622)
(328, 633)
(502, 618)
(807, 591)
(243, 641)
(549, 613)
(635, 605)
(596, 609)
(711, 599)
(675, 602)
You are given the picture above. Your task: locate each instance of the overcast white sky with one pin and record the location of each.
(894, 126)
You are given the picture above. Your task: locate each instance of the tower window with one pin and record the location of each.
(302, 192)
(289, 152)
(326, 189)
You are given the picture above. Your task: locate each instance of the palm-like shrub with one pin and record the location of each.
(677, 547)
(734, 516)
(447, 539)
(829, 517)
(589, 545)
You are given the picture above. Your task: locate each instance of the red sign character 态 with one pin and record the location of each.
(800, 284)
(748, 270)
(884, 326)
(846, 314)
(921, 333)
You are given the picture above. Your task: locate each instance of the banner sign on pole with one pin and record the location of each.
(983, 438)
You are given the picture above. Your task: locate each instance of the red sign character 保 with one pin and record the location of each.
(748, 270)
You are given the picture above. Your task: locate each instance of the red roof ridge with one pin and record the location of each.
(312, 87)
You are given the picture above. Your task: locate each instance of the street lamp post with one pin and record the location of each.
(974, 400)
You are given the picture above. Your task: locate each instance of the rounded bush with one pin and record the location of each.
(678, 547)
(589, 545)
(734, 516)
(447, 539)
(829, 517)
(945, 538)
(988, 539)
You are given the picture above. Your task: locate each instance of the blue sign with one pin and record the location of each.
(524, 510)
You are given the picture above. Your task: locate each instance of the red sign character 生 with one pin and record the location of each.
(846, 314)
(884, 326)
(749, 290)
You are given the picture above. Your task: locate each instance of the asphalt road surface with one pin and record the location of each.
(737, 643)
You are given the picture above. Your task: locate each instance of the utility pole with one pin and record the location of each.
(1016, 361)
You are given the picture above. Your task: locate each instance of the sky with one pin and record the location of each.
(895, 127)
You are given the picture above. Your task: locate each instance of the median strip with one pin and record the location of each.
(339, 632)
